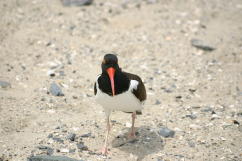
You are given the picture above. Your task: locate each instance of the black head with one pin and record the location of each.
(110, 60)
(110, 67)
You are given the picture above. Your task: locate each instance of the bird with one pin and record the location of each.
(116, 90)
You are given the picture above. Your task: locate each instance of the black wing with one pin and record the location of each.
(140, 92)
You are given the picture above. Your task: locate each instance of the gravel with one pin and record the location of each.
(56, 90)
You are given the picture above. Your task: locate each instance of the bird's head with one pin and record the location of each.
(110, 66)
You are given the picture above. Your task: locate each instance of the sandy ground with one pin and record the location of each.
(196, 93)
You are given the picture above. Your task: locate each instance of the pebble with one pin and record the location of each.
(81, 146)
(59, 140)
(191, 116)
(207, 109)
(56, 90)
(4, 84)
(86, 135)
(71, 137)
(191, 144)
(50, 158)
(76, 2)
(157, 102)
(201, 45)
(165, 132)
(51, 73)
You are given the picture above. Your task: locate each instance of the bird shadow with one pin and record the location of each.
(147, 141)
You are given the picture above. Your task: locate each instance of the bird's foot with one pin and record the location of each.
(105, 151)
(131, 135)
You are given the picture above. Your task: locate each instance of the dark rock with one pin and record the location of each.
(165, 132)
(55, 90)
(86, 135)
(236, 122)
(178, 97)
(50, 158)
(4, 84)
(50, 136)
(192, 90)
(58, 140)
(191, 116)
(201, 45)
(71, 137)
(49, 43)
(52, 74)
(76, 2)
(81, 146)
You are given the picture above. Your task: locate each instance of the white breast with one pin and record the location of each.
(126, 101)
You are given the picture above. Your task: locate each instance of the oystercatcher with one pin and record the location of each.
(118, 90)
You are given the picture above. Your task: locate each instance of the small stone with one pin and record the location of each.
(207, 109)
(50, 158)
(49, 43)
(58, 140)
(43, 99)
(157, 102)
(191, 116)
(55, 90)
(51, 73)
(50, 136)
(71, 137)
(192, 90)
(201, 45)
(191, 144)
(74, 97)
(4, 84)
(61, 73)
(81, 146)
(76, 2)
(86, 135)
(235, 122)
(178, 97)
(165, 132)
(72, 150)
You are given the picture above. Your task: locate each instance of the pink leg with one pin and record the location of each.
(132, 133)
(105, 147)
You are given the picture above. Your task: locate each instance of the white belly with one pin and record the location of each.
(126, 101)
